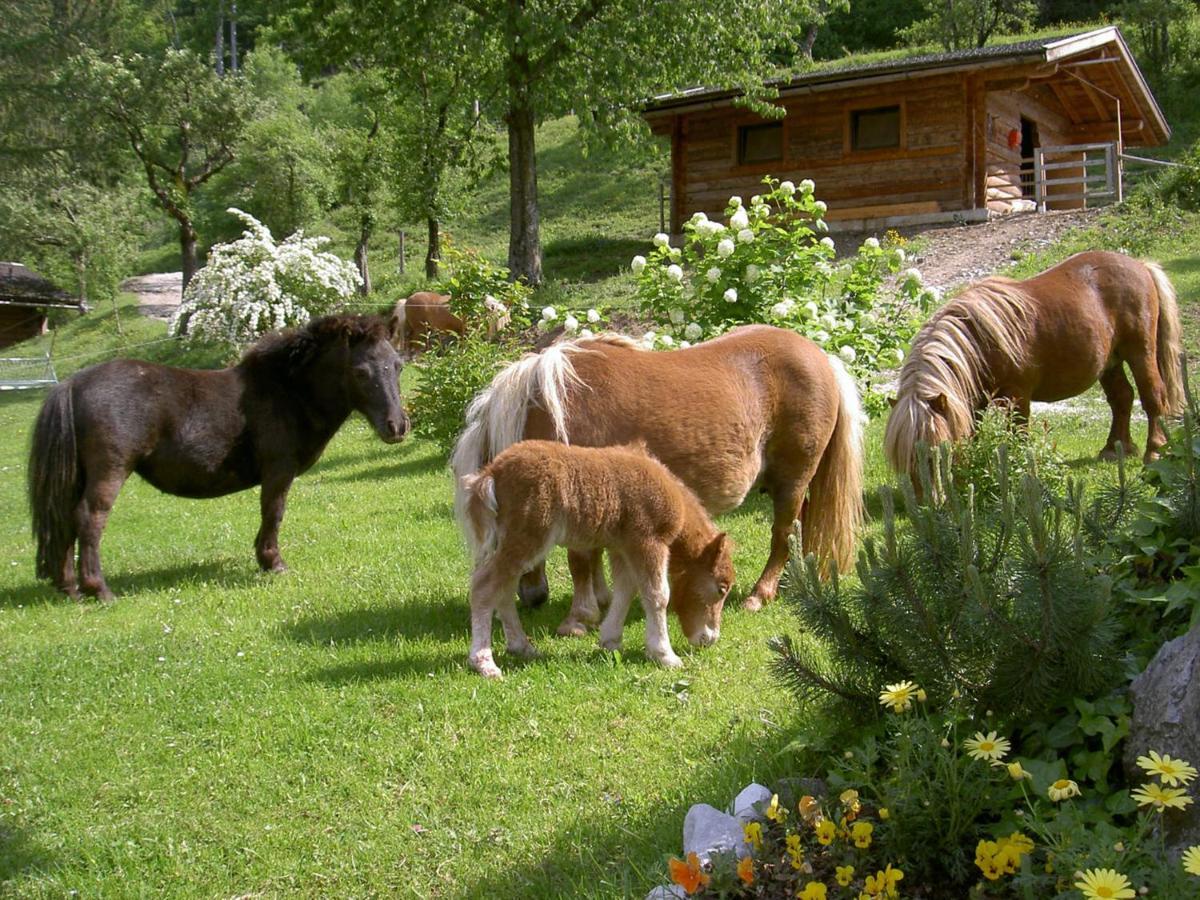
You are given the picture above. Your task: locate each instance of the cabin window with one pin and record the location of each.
(875, 129)
(760, 143)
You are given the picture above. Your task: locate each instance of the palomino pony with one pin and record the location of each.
(1046, 338)
(422, 317)
(196, 433)
(757, 406)
(538, 494)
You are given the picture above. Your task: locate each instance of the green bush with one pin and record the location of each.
(997, 600)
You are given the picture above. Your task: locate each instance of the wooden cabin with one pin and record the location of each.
(25, 297)
(1039, 124)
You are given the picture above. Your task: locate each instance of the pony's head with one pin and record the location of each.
(371, 369)
(929, 418)
(699, 588)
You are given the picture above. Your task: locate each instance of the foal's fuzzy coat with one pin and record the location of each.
(539, 494)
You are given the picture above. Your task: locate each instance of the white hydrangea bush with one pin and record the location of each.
(254, 285)
(772, 262)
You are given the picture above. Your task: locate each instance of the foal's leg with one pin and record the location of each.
(651, 569)
(624, 587)
(516, 640)
(1119, 394)
(273, 499)
(586, 567)
(489, 584)
(90, 517)
(1150, 388)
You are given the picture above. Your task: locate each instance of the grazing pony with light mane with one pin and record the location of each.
(756, 407)
(538, 494)
(423, 317)
(1046, 338)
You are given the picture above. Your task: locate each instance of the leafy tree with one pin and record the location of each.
(1157, 25)
(179, 118)
(961, 24)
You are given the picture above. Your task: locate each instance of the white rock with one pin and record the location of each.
(743, 804)
(667, 892)
(707, 830)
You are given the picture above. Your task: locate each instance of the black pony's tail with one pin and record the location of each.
(55, 485)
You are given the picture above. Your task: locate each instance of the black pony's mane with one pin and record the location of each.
(296, 348)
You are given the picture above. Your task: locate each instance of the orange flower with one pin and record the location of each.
(745, 869)
(688, 875)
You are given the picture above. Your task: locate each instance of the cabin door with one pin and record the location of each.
(1029, 141)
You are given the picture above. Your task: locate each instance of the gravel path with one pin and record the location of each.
(158, 295)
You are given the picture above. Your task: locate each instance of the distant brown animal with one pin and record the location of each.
(756, 407)
(1046, 338)
(197, 433)
(421, 318)
(539, 494)
(425, 317)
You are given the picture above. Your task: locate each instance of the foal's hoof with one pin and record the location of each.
(572, 628)
(533, 597)
(669, 662)
(753, 603)
(485, 665)
(524, 651)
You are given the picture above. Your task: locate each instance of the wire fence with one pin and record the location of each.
(22, 373)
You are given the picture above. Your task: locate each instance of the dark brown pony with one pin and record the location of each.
(196, 433)
(1046, 338)
(757, 407)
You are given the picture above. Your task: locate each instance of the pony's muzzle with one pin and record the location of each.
(705, 637)
(394, 429)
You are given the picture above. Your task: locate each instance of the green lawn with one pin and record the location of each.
(218, 732)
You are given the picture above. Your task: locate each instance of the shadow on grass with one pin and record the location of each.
(439, 617)
(412, 465)
(224, 573)
(18, 856)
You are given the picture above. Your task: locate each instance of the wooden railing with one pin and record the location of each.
(1093, 170)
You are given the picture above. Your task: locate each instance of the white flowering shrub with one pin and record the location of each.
(772, 262)
(575, 324)
(254, 285)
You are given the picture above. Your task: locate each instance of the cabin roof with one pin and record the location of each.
(21, 286)
(1110, 72)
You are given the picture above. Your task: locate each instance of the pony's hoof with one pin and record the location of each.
(572, 628)
(670, 661)
(533, 597)
(612, 646)
(753, 603)
(525, 651)
(485, 665)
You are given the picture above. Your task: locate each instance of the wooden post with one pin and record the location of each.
(678, 176)
(1117, 151)
(401, 251)
(1039, 179)
(662, 212)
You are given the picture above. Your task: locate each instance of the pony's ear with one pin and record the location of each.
(939, 404)
(639, 445)
(718, 546)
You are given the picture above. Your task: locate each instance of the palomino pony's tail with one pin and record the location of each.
(496, 417)
(834, 511)
(54, 481)
(480, 510)
(1170, 344)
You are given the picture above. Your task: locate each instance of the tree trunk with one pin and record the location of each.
(524, 243)
(233, 53)
(360, 256)
(810, 38)
(433, 254)
(219, 43)
(187, 250)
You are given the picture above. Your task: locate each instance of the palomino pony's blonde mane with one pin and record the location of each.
(496, 417)
(949, 360)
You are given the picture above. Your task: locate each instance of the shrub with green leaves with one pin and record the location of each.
(771, 262)
(481, 290)
(996, 600)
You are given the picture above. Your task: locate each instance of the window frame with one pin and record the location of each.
(878, 104)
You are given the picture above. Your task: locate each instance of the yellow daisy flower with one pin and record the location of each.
(989, 746)
(1063, 789)
(1151, 794)
(1191, 860)
(861, 834)
(825, 832)
(1169, 771)
(845, 874)
(898, 696)
(1016, 771)
(1104, 884)
(752, 831)
(814, 890)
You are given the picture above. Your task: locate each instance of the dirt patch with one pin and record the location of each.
(951, 255)
(158, 295)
